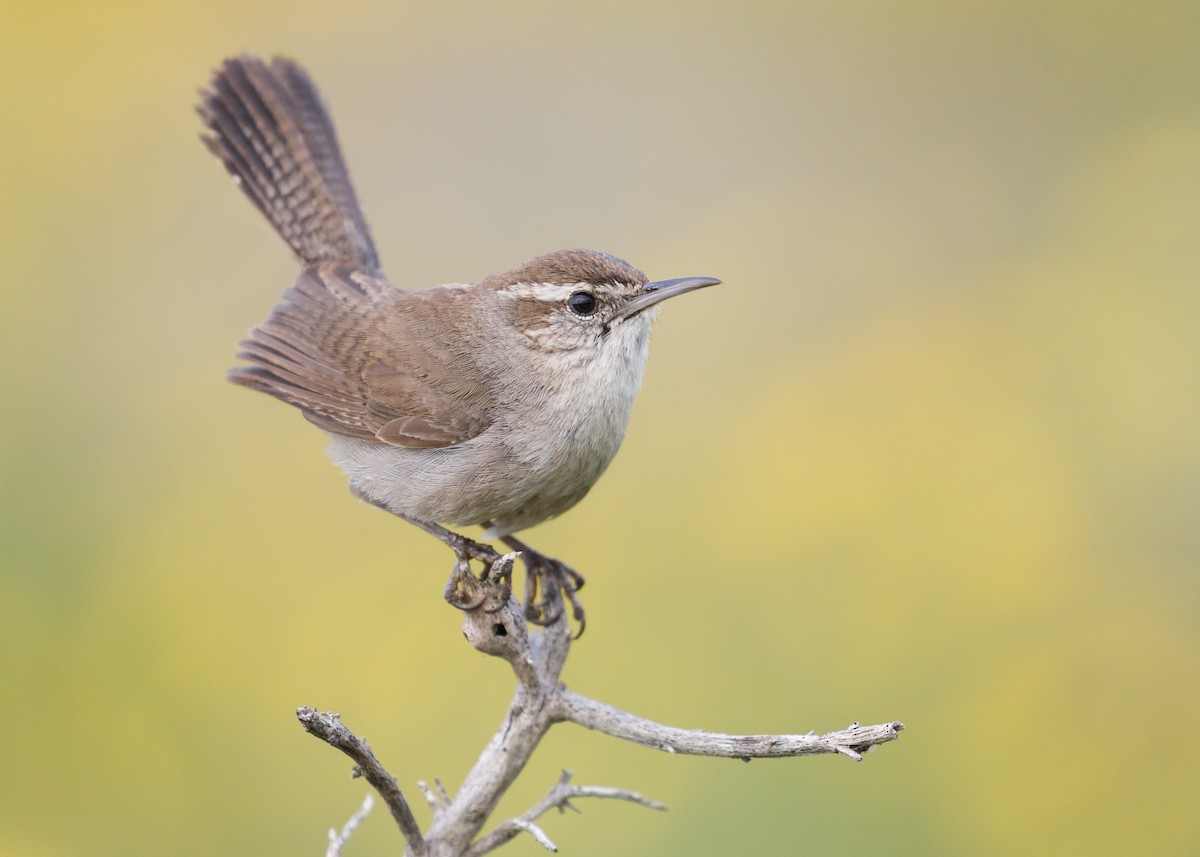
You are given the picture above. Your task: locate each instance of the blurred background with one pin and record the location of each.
(930, 454)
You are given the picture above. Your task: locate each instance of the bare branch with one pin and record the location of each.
(536, 832)
(497, 627)
(559, 797)
(494, 623)
(852, 741)
(612, 794)
(329, 729)
(336, 840)
(438, 800)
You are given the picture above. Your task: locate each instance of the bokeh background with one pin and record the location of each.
(932, 453)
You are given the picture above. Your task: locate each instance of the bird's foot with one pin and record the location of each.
(489, 591)
(557, 582)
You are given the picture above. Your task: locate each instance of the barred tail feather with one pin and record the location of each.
(268, 127)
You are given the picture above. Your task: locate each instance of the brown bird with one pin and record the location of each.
(497, 403)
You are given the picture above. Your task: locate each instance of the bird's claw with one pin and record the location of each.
(490, 591)
(558, 581)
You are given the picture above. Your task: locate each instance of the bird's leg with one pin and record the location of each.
(462, 588)
(556, 579)
(465, 549)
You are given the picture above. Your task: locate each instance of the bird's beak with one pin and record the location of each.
(660, 290)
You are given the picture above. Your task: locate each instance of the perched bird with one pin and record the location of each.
(496, 403)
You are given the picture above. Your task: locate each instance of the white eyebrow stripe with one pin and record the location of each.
(544, 291)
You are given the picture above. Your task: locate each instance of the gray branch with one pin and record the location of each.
(329, 729)
(559, 797)
(494, 623)
(852, 741)
(337, 841)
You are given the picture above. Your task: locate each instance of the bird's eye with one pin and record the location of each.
(582, 303)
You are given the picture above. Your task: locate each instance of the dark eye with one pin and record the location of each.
(582, 303)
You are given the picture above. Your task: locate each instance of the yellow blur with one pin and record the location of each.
(932, 453)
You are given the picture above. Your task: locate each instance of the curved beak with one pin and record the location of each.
(660, 290)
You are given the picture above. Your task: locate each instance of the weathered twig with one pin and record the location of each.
(437, 800)
(329, 729)
(338, 840)
(498, 628)
(852, 741)
(495, 624)
(559, 797)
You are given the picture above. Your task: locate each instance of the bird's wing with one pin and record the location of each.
(392, 374)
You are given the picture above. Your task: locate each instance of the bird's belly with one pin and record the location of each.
(499, 477)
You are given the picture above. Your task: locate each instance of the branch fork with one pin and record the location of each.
(494, 623)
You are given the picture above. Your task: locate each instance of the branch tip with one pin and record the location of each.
(329, 728)
(537, 833)
(591, 714)
(338, 841)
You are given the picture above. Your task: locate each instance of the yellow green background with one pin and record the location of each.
(932, 453)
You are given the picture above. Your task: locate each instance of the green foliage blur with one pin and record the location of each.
(932, 453)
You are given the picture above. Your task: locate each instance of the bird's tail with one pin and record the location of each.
(267, 125)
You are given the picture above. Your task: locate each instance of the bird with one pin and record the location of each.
(497, 403)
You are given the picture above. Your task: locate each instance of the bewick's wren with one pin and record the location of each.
(498, 403)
